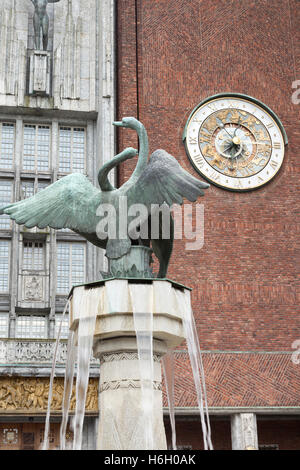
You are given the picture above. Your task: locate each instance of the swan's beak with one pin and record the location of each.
(118, 123)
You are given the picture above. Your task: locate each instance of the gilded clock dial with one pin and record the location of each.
(235, 143)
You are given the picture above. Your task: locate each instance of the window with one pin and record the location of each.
(33, 256)
(36, 147)
(29, 326)
(72, 149)
(5, 198)
(64, 333)
(4, 263)
(3, 325)
(70, 265)
(7, 145)
(28, 188)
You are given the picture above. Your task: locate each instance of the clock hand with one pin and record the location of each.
(223, 127)
(239, 125)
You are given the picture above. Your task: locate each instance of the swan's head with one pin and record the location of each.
(129, 152)
(129, 122)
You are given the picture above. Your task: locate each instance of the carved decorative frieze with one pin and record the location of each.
(126, 383)
(20, 394)
(125, 356)
(33, 352)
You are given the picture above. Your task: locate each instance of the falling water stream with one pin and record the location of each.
(68, 386)
(168, 368)
(89, 301)
(47, 423)
(192, 340)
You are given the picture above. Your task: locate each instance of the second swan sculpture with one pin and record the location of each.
(73, 201)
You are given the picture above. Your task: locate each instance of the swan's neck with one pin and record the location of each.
(143, 151)
(103, 180)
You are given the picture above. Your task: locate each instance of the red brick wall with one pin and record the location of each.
(279, 432)
(188, 433)
(283, 432)
(244, 278)
(171, 55)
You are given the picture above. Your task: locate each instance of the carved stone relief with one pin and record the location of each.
(33, 288)
(31, 394)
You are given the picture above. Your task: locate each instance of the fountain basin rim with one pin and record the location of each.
(132, 280)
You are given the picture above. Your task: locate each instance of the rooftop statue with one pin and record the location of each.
(72, 202)
(41, 22)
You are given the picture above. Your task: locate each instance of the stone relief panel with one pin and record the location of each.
(33, 288)
(20, 394)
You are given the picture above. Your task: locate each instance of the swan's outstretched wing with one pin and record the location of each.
(164, 181)
(70, 202)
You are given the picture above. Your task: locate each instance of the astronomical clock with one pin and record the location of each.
(235, 141)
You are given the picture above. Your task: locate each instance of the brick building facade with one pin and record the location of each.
(171, 56)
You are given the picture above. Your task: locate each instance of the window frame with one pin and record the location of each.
(4, 216)
(31, 318)
(4, 315)
(37, 125)
(70, 275)
(13, 125)
(8, 265)
(85, 133)
(34, 269)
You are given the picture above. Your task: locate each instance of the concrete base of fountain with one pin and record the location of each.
(121, 407)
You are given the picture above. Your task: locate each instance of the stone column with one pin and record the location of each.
(121, 424)
(244, 431)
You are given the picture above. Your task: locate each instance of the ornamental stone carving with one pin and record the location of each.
(33, 288)
(31, 394)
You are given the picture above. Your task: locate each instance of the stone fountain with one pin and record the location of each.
(128, 311)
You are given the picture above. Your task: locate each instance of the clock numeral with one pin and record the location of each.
(270, 125)
(238, 184)
(231, 104)
(193, 140)
(277, 145)
(213, 106)
(199, 160)
(274, 164)
(214, 176)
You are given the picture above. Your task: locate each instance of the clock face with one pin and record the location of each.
(235, 142)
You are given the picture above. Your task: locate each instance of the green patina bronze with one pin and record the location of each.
(41, 22)
(73, 202)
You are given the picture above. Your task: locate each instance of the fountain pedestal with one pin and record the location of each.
(121, 421)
